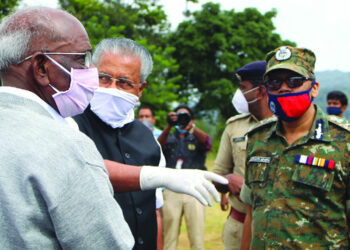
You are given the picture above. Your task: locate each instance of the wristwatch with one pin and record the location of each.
(192, 128)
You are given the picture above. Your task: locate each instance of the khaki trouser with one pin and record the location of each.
(176, 205)
(232, 234)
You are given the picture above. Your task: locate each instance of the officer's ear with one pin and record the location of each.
(342, 108)
(314, 90)
(261, 90)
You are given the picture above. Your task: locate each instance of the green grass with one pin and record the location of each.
(214, 223)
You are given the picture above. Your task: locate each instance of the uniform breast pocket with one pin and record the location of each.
(258, 173)
(319, 178)
(258, 170)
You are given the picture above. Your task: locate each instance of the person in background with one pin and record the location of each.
(184, 149)
(296, 181)
(337, 103)
(146, 115)
(250, 100)
(128, 147)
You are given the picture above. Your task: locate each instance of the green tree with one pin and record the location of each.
(110, 18)
(6, 6)
(145, 22)
(213, 44)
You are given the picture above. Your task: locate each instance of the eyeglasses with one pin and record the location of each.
(123, 83)
(87, 56)
(292, 82)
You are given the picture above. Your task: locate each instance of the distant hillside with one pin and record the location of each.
(333, 80)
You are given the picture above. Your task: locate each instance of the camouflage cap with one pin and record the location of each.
(299, 60)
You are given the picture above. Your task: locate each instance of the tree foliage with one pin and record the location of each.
(213, 44)
(6, 6)
(143, 21)
(111, 18)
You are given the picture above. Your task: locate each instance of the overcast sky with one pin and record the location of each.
(320, 25)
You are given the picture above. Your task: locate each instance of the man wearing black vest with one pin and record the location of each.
(123, 67)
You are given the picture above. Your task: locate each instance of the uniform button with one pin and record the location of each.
(127, 155)
(139, 211)
(140, 241)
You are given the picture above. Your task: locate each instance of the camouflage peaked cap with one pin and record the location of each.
(299, 60)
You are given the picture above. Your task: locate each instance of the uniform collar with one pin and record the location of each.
(253, 118)
(319, 129)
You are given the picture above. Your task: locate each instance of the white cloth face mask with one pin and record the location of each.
(240, 102)
(113, 106)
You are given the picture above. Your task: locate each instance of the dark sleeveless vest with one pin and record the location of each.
(187, 148)
(132, 144)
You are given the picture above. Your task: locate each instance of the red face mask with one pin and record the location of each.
(289, 107)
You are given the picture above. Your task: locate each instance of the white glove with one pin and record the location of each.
(188, 181)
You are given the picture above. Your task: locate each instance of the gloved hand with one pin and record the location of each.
(188, 181)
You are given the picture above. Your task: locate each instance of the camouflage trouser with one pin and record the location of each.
(232, 234)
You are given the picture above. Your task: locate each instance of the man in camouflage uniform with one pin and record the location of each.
(297, 171)
(231, 157)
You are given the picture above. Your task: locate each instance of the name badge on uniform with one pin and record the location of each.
(260, 159)
(315, 161)
(238, 139)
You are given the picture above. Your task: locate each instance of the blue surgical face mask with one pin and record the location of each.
(333, 110)
(181, 131)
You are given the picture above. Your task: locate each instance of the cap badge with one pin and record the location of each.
(283, 54)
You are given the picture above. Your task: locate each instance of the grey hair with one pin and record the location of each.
(124, 46)
(20, 29)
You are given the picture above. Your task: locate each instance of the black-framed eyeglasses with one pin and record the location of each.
(87, 56)
(122, 82)
(292, 82)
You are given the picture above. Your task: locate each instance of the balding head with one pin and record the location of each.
(32, 29)
(27, 36)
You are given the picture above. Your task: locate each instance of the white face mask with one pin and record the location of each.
(240, 103)
(113, 106)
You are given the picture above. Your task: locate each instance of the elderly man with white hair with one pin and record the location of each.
(54, 188)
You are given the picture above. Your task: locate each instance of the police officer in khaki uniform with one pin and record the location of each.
(250, 100)
(297, 180)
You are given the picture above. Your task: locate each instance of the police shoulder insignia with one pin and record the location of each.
(315, 161)
(237, 117)
(262, 123)
(319, 128)
(339, 121)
